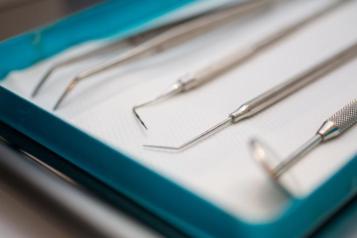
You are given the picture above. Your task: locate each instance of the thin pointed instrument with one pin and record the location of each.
(173, 91)
(192, 81)
(169, 39)
(132, 40)
(272, 96)
(332, 128)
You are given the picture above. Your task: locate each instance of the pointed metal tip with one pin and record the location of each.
(60, 99)
(56, 106)
(42, 81)
(134, 109)
(35, 91)
(163, 148)
(176, 88)
(68, 89)
(194, 140)
(58, 103)
(39, 85)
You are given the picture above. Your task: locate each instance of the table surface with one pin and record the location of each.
(26, 212)
(19, 218)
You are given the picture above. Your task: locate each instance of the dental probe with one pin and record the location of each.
(272, 96)
(333, 127)
(191, 81)
(169, 39)
(133, 40)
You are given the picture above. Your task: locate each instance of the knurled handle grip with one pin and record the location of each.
(346, 117)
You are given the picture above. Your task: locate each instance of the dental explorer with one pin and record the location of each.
(133, 40)
(169, 39)
(272, 96)
(333, 127)
(192, 81)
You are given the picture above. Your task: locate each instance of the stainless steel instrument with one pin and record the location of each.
(333, 127)
(133, 40)
(201, 77)
(272, 96)
(169, 39)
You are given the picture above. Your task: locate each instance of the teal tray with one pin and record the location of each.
(179, 206)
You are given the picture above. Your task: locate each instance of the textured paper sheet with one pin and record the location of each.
(220, 169)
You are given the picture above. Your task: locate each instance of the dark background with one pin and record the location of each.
(17, 16)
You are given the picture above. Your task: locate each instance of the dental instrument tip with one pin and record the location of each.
(333, 127)
(59, 101)
(68, 89)
(134, 109)
(42, 81)
(165, 148)
(176, 88)
(194, 140)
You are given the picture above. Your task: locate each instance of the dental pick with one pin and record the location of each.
(333, 127)
(272, 96)
(133, 40)
(192, 81)
(168, 39)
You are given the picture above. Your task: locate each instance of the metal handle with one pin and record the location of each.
(270, 40)
(214, 70)
(239, 57)
(346, 117)
(287, 88)
(179, 34)
(339, 122)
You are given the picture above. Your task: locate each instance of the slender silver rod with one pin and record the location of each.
(189, 143)
(213, 71)
(114, 45)
(275, 94)
(168, 39)
(332, 128)
(297, 155)
(133, 40)
(172, 92)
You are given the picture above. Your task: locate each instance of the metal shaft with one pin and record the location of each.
(336, 125)
(274, 95)
(168, 39)
(293, 85)
(295, 157)
(211, 72)
(178, 35)
(241, 56)
(132, 40)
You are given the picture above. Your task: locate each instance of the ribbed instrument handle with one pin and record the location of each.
(346, 117)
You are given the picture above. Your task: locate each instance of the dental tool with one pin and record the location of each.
(332, 128)
(133, 40)
(192, 81)
(169, 39)
(272, 96)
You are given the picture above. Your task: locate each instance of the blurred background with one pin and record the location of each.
(18, 16)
